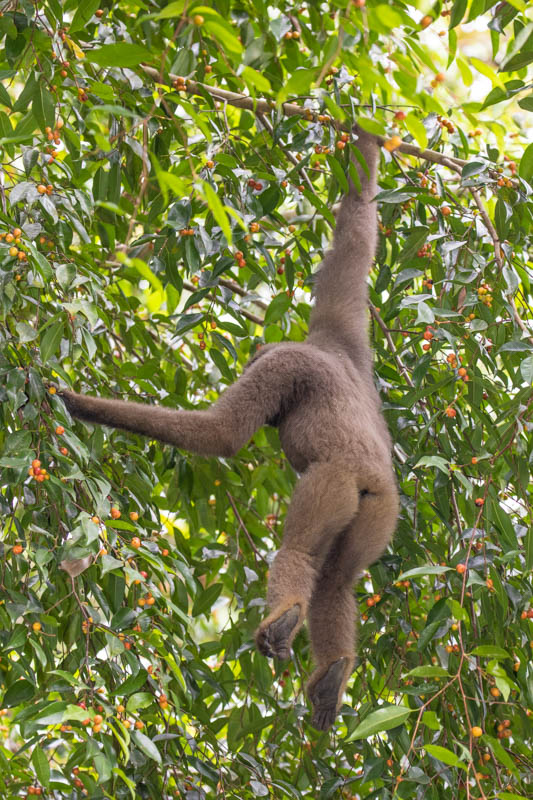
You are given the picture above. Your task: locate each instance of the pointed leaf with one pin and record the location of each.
(381, 720)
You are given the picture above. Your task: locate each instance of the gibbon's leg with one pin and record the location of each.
(325, 501)
(220, 430)
(333, 609)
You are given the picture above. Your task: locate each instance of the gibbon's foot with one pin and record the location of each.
(325, 694)
(274, 636)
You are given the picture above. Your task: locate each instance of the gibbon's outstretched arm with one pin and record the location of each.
(220, 430)
(339, 317)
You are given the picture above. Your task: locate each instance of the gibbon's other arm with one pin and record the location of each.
(220, 430)
(340, 312)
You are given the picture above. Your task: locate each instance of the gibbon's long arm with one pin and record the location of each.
(220, 430)
(339, 316)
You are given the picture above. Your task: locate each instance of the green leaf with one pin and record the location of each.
(458, 12)
(83, 14)
(256, 80)
(528, 544)
(426, 570)
(431, 721)
(298, 84)
(25, 332)
(132, 684)
(41, 766)
(434, 461)
(50, 340)
(204, 599)
(424, 313)
(109, 563)
(218, 210)
(381, 720)
(417, 130)
(490, 651)
(19, 692)
(413, 243)
(42, 264)
(277, 308)
(339, 173)
(147, 746)
(473, 168)
(219, 360)
(444, 755)
(120, 54)
(43, 107)
(525, 168)
(174, 9)
(429, 671)
(222, 32)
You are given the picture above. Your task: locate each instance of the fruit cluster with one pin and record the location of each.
(445, 123)
(180, 84)
(36, 471)
(484, 294)
(13, 238)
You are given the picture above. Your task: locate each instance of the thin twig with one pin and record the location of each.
(245, 529)
(248, 314)
(499, 260)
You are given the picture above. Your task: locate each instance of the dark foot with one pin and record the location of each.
(274, 637)
(324, 695)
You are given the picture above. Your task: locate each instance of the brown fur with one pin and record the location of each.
(321, 396)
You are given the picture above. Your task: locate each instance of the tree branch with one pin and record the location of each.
(499, 260)
(258, 106)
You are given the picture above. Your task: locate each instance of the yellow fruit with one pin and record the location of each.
(477, 731)
(392, 144)
(198, 19)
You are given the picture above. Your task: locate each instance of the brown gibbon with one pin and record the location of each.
(320, 394)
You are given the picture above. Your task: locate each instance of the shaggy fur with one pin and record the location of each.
(321, 396)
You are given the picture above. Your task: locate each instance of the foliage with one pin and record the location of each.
(165, 232)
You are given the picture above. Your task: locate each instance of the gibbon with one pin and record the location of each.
(320, 394)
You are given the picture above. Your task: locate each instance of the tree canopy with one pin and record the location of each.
(169, 178)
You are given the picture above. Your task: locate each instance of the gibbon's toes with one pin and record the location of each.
(324, 695)
(273, 637)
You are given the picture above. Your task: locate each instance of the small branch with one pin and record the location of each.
(243, 526)
(242, 292)
(265, 122)
(489, 226)
(248, 314)
(499, 260)
(392, 348)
